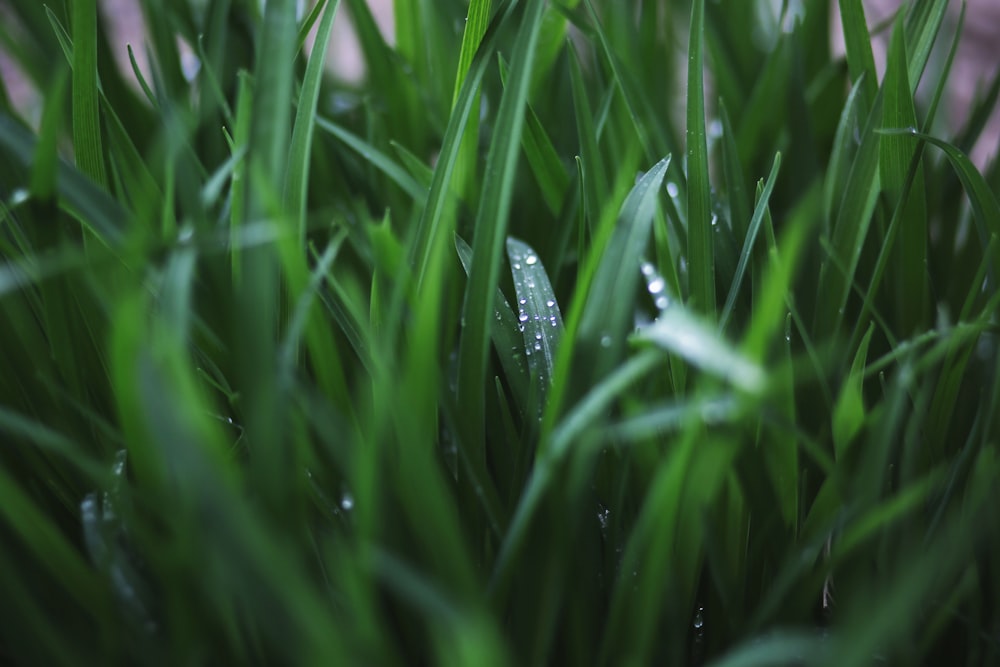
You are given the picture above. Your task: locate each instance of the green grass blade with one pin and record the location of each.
(297, 176)
(538, 315)
(860, 59)
(701, 257)
(748, 244)
(87, 134)
(492, 220)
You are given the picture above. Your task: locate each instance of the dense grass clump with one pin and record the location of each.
(520, 352)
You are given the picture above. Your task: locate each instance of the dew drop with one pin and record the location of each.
(648, 269)
(523, 317)
(347, 502)
(672, 189)
(538, 347)
(699, 619)
(662, 302)
(538, 336)
(605, 341)
(550, 303)
(517, 266)
(531, 260)
(656, 285)
(523, 301)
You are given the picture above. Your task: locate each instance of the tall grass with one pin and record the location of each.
(497, 358)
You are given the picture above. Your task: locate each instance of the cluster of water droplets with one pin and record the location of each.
(655, 285)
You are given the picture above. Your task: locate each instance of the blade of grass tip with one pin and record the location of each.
(86, 122)
(492, 220)
(701, 260)
(858, 44)
(538, 315)
(297, 176)
(748, 243)
(910, 271)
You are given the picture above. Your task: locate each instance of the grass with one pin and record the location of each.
(499, 357)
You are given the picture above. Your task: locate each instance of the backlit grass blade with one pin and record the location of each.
(701, 256)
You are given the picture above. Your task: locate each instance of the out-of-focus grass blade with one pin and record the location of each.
(430, 229)
(748, 243)
(739, 200)
(851, 227)
(507, 338)
(476, 22)
(87, 143)
(701, 257)
(297, 176)
(585, 413)
(492, 220)
(595, 186)
(650, 134)
(550, 173)
(858, 43)
(380, 160)
(780, 649)
(96, 209)
(538, 314)
(923, 22)
(679, 332)
(849, 411)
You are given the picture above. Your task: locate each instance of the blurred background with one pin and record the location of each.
(975, 66)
